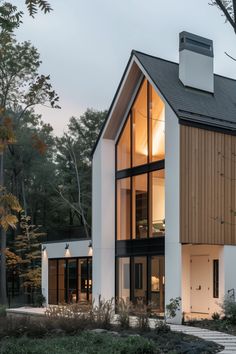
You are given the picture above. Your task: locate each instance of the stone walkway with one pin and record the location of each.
(227, 340)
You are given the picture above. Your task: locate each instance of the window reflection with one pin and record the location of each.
(140, 137)
(140, 206)
(124, 278)
(124, 148)
(70, 280)
(157, 126)
(123, 209)
(157, 283)
(140, 279)
(157, 203)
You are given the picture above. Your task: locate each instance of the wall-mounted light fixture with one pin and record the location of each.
(67, 246)
(90, 251)
(44, 248)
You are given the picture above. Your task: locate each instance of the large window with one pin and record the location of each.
(140, 168)
(143, 137)
(142, 279)
(69, 280)
(141, 206)
(140, 201)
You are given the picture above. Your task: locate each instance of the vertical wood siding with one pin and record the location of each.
(207, 187)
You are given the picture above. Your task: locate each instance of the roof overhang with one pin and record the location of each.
(127, 88)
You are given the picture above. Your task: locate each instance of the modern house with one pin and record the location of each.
(164, 183)
(164, 190)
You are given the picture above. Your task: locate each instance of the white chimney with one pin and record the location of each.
(196, 62)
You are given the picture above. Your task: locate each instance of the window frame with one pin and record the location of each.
(146, 168)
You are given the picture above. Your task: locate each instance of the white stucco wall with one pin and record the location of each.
(228, 257)
(57, 250)
(103, 223)
(173, 266)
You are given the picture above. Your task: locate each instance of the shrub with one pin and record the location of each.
(142, 311)
(124, 308)
(173, 307)
(161, 327)
(103, 312)
(215, 316)
(39, 300)
(229, 309)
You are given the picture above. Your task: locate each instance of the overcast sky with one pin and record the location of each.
(85, 45)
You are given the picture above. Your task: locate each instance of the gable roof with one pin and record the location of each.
(192, 106)
(218, 109)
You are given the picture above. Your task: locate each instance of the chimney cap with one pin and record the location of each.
(195, 44)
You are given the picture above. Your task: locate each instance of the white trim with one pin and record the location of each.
(117, 97)
(129, 107)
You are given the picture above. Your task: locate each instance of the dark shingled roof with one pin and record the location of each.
(218, 109)
(193, 106)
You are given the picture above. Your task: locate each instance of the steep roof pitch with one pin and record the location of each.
(216, 110)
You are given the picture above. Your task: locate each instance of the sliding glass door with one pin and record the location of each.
(142, 280)
(69, 280)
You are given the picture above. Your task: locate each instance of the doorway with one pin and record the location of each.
(200, 283)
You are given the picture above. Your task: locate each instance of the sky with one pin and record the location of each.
(85, 45)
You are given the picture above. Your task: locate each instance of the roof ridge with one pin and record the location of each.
(133, 52)
(153, 56)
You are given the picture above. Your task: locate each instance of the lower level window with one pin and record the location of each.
(216, 278)
(142, 279)
(69, 280)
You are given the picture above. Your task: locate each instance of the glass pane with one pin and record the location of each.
(61, 281)
(123, 276)
(157, 283)
(139, 112)
(83, 279)
(157, 126)
(90, 278)
(72, 281)
(123, 209)
(140, 279)
(140, 197)
(52, 281)
(123, 148)
(157, 203)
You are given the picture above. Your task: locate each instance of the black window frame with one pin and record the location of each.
(215, 278)
(76, 259)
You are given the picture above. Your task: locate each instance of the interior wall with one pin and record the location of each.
(213, 252)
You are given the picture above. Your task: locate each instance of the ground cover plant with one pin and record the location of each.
(224, 322)
(72, 329)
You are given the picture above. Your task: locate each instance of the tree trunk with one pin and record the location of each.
(3, 290)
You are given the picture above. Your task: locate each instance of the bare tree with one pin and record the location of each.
(228, 7)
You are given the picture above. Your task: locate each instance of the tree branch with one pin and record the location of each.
(226, 13)
(230, 56)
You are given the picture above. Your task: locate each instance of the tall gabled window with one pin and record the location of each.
(143, 137)
(124, 148)
(141, 186)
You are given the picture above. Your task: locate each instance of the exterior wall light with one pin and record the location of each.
(44, 248)
(67, 246)
(90, 251)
